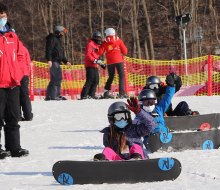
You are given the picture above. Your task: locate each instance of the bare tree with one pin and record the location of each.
(136, 21)
(149, 31)
(214, 18)
(90, 16)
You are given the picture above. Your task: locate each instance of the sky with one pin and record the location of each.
(69, 130)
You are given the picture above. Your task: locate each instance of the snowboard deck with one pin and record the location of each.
(129, 171)
(178, 141)
(200, 122)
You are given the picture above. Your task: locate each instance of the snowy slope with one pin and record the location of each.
(69, 130)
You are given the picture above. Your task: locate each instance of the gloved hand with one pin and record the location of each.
(98, 61)
(103, 66)
(178, 82)
(133, 105)
(170, 79)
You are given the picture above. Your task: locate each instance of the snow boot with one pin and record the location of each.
(121, 96)
(4, 154)
(99, 157)
(107, 95)
(136, 156)
(19, 153)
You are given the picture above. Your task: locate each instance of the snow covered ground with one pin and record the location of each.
(68, 130)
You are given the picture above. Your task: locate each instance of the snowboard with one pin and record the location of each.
(178, 141)
(199, 122)
(126, 171)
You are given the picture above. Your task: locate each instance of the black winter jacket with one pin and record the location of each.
(54, 49)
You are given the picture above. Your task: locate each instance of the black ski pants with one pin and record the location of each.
(10, 114)
(25, 99)
(92, 81)
(111, 73)
(53, 89)
(182, 109)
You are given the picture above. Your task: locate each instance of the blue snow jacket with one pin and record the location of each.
(160, 109)
(133, 132)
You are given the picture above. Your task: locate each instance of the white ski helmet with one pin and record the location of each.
(109, 32)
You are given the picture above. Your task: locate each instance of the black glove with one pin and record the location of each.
(174, 80)
(103, 66)
(170, 79)
(99, 62)
(178, 82)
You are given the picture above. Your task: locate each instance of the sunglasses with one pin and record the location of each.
(120, 116)
(154, 86)
(149, 102)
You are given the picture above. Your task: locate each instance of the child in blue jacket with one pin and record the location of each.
(148, 101)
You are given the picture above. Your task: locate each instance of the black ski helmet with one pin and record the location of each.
(153, 80)
(117, 107)
(97, 37)
(147, 94)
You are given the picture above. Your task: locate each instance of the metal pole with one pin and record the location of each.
(184, 46)
(185, 54)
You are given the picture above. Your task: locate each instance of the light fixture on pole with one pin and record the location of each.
(182, 21)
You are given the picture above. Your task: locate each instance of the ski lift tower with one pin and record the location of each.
(182, 21)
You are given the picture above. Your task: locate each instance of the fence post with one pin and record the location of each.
(209, 75)
(126, 78)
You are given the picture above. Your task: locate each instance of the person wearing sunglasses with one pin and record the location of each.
(123, 139)
(154, 83)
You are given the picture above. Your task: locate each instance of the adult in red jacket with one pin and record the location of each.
(114, 48)
(24, 90)
(91, 64)
(10, 77)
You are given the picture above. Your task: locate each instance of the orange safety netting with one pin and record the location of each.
(200, 76)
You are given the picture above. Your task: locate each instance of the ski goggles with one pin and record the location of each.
(120, 116)
(153, 86)
(150, 102)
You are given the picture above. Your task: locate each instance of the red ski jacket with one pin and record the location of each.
(114, 48)
(11, 58)
(91, 54)
(27, 61)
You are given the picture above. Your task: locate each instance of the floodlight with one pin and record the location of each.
(183, 19)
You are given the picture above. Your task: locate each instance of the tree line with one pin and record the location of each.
(148, 27)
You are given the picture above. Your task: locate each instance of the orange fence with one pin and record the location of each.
(200, 76)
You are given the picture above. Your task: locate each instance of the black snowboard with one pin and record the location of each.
(130, 171)
(177, 141)
(201, 122)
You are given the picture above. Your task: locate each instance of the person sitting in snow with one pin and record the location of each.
(122, 139)
(154, 83)
(148, 102)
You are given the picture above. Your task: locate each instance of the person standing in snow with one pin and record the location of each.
(114, 48)
(91, 64)
(55, 57)
(24, 90)
(11, 60)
